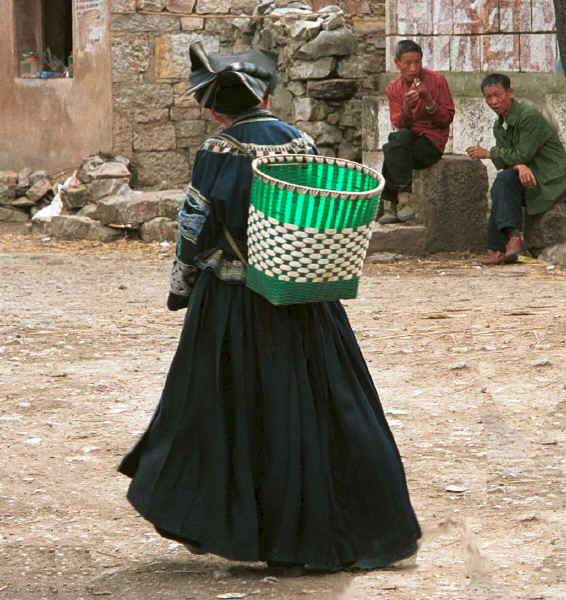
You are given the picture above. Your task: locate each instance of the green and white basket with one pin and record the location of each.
(309, 226)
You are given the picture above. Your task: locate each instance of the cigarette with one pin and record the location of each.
(417, 82)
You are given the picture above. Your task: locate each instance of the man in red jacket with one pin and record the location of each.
(421, 110)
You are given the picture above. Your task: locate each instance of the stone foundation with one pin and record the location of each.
(450, 202)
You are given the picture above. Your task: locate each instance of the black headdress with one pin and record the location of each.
(231, 83)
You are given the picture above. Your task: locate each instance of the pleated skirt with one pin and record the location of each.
(269, 442)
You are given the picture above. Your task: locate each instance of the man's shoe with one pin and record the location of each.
(496, 258)
(512, 249)
(389, 219)
(406, 213)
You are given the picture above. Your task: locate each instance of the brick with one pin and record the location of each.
(475, 17)
(514, 16)
(443, 17)
(414, 17)
(465, 53)
(543, 15)
(500, 52)
(538, 52)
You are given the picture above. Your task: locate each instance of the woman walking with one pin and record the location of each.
(269, 442)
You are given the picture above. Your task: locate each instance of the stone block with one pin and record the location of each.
(38, 190)
(317, 69)
(100, 188)
(138, 23)
(123, 6)
(546, 229)
(213, 7)
(340, 42)
(185, 113)
(8, 178)
(190, 129)
(73, 227)
(169, 203)
(13, 215)
(400, 239)
(22, 202)
(7, 193)
(142, 96)
(159, 229)
(333, 89)
(368, 25)
(36, 176)
(75, 197)
(88, 211)
(130, 209)
(153, 115)
(157, 5)
(111, 170)
(122, 133)
(181, 6)
(450, 200)
(149, 137)
(162, 169)
(130, 57)
(192, 23)
(555, 254)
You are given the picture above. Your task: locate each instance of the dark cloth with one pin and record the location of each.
(269, 441)
(526, 137)
(433, 125)
(231, 83)
(507, 200)
(404, 151)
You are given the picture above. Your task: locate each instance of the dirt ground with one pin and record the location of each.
(469, 363)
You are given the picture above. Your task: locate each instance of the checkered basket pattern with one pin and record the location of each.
(309, 227)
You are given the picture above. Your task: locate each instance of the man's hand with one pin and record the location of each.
(526, 176)
(410, 100)
(477, 152)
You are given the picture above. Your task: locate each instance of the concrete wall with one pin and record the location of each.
(52, 124)
(465, 41)
(485, 35)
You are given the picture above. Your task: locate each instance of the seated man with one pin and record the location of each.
(533, 168)
(421, 109)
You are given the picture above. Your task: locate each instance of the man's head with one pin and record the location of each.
(409, 59)
(498, 93)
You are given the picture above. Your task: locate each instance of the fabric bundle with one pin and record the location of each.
(231, 83)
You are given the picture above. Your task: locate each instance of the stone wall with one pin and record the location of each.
(330, 56)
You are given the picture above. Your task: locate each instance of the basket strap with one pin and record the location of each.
(234, 246)
(234, 142)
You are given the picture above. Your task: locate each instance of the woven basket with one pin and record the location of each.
(309, 226)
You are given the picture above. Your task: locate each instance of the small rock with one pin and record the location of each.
(455, 489)
(458, 366)
(541, 363)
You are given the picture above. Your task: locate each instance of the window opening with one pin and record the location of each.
(44, 38)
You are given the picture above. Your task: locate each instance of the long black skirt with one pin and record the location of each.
(269, 442)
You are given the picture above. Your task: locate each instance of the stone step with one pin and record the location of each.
(399, 239)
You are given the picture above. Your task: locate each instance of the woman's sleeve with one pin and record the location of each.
(197, 232)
